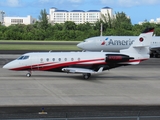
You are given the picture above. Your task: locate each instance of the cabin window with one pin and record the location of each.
(41, 59)
(59, 59)
(47, 59)
(53, 59)
(65, 59)
(78, 59)
(72, 59)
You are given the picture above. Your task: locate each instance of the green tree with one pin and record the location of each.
(122, 21)
(2, 31)
(43, 19)
(58, 27)
(69, 25)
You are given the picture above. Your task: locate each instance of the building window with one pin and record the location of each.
(16, 21)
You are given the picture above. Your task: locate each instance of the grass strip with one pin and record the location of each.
(37, 47)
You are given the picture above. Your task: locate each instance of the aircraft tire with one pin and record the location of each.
(157, 56)
(151, 55)
(28, 74)
(86, 76)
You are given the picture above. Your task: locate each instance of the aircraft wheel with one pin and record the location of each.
(28, 74)
(151, 55)
(86, 76)
(157, 55)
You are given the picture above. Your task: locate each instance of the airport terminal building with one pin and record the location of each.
(78, 16)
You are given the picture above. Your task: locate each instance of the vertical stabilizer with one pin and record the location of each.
(140, 47)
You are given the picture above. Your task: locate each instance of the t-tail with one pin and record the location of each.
(139, 50)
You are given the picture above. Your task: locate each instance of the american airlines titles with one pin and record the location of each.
(120, 42)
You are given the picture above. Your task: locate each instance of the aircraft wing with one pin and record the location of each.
(154, 48)
(80, 70)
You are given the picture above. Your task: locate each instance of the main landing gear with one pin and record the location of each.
(28, 74)
(86, 76)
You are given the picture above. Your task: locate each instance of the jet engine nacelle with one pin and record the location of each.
(114, 58)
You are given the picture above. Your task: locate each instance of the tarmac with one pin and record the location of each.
(128, 85)
(129, 90)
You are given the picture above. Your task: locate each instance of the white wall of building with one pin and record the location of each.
(157, 21)
(19, 20)
(92, 16)
(77, 16)
(106, 10)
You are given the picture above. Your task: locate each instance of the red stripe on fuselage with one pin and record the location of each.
(52, 65)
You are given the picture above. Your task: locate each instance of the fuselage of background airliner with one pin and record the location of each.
(117, 43)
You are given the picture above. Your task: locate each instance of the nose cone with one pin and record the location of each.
(7, 66)
(11, 65)
(80, 45)
(85, 46)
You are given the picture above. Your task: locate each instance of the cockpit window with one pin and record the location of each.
(20, 58)
(23, 57)
(85, 40)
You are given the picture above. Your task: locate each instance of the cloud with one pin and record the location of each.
(130, 3)
(13, 3)
(138, 2)
(75, 1)
(61, 1)
(51, 2)
(44, 1)
(61, 4)
(152, 2)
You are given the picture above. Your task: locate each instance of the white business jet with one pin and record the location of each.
(85, 63)
(117, 43)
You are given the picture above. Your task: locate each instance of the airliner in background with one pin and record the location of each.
(85, 63)
(117, 43)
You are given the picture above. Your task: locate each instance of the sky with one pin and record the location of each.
(138, 10)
